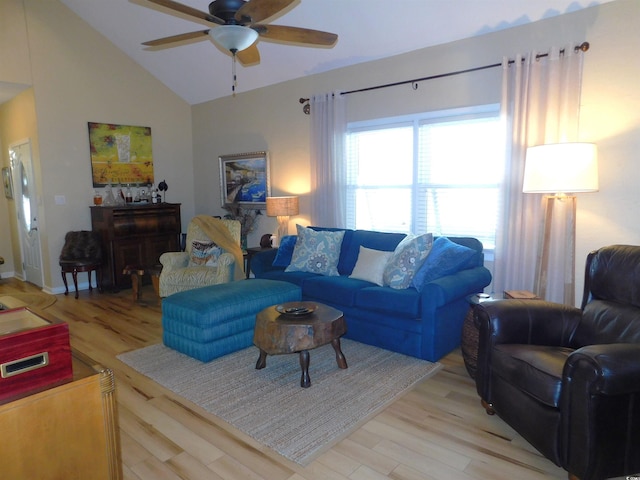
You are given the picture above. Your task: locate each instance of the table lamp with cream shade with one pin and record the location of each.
(559, 170)
(283, 208)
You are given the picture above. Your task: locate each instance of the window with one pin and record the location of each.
(438, 172)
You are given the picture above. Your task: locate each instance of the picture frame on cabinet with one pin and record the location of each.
(244, 179)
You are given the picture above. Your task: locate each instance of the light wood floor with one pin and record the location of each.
(436, 431)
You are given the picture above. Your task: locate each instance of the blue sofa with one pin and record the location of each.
(426, 324)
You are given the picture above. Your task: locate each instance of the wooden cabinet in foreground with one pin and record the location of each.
(68, 432)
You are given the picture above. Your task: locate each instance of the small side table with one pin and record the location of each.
(137, 272)
(250, 253)
(469, 343)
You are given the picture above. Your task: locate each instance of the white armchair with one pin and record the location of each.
(179, 272)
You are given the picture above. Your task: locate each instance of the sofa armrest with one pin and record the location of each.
(609, 369)
(529, 322)
(262, 262)
(461, 284)
(173, 260)
(600, 402)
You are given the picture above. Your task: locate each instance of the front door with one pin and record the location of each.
(26, 203)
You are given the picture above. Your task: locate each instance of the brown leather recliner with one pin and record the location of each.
(568, 379)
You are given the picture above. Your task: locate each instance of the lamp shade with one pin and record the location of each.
(561, 168)
(234, 38)
(282, 206)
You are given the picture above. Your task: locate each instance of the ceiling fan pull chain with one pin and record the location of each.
(233, 73)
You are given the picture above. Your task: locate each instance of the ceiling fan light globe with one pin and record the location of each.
(234, 38)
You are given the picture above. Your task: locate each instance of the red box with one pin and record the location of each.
(34, 353)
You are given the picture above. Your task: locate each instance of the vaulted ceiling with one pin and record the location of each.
(199, 71)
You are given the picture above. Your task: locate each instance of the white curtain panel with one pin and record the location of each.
(540, 104)
(328, 166)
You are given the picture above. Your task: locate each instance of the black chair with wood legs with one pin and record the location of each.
(82, 252)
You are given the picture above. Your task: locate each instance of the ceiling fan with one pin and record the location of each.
(236, 27)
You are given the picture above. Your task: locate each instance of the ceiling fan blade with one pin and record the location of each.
(193, 12)
(295, 34)
(177, 38)
(257, 10)
(249, 56)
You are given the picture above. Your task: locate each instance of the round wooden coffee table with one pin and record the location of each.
(277, 333)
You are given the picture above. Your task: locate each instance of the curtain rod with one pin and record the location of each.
(584, 46)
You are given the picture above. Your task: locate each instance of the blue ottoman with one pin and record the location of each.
(209, 322)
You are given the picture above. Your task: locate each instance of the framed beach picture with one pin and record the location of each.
(7, 182)
(244, 179)
(120, 154)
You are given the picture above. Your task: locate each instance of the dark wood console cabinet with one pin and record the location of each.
(135, 235)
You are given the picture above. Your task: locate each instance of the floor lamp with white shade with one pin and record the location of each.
(560, 170)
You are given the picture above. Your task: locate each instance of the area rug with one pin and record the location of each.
(35, 300)
(270, 406)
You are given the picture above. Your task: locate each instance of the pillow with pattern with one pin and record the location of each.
(407, 258)
(204, 254)
(316, 252)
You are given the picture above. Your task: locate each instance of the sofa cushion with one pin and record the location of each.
(397, 303)
(533, 369)
(285, 251)
(316, 252)
(407, 258)
(446, 257)
(370, 265)
(296, 278)
(340, 290)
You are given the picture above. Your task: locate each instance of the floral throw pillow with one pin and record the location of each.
(316, 252)
(407, 258)
(204, 254)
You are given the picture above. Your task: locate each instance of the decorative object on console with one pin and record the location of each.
(244, 179)
(247, 218)
(283, 208)
(265, 240)
(558, 169)
(163, 187)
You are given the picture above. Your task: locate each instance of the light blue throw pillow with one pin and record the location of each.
(316, 252)
(407, 259)
(446, 257)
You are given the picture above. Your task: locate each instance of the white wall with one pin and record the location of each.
(78, 76)
(271, 118)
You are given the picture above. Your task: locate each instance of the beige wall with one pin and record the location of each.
(271, 118)
(78, 77)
